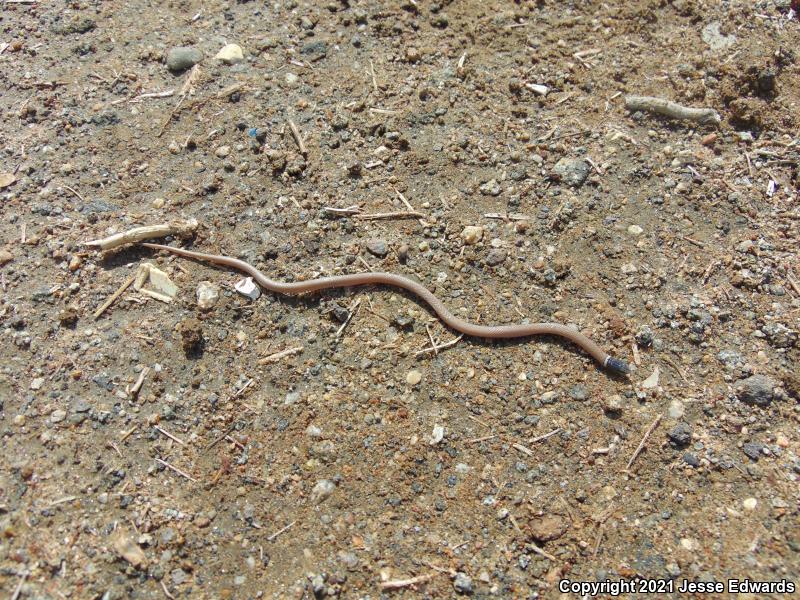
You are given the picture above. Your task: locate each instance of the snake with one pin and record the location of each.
(603, 358)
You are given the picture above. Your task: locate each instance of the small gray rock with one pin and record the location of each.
(377, 248)
(571, 171)
(495, 256)
(756, 390)
(579, 392)
(752, 450)
(463, 583)
(182, 58)
(691, 460)
(680, 435)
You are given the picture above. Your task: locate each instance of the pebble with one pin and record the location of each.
(230, 54)
(462, 584)
(291, 80)
(6, 179)
(675, 410)
(495, 256)
(756, 390)
(490, 188)
(635, 230)
(437, 435)
(472, 234)
(182, 58)
(750, 503)
(37, 383)
(377, 248)
(322, 491)
(207, 294)
(629, 268)
(613, 404)
(161, 282)
(58, 415)
(651, 381)
(5, 257)
(413, 377)
(752, 450)
(222, 151)
(579, 392)
(547, 527)
(573, 172)
(248, 288)
(680, 435)
(691, 460)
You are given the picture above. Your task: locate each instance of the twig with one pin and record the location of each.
(350, 314)
(137, 234)
(374, 79)
(672, 364)
(134, 391)
(541, 438)
(114, 296)
(176, 469)
(350, 210)
(298, 138)
(480, 439)
(279, 355)
(697, 243)
(400, 214)
(128, 433)
(397, 584)
(452, 342)
(66, 187)
(280, 531)
(523, 449)
(166, 591)
(430, 337)
(793, 283)
(508, 216)
(644, 441)
(164, 94)
(670, 109)
(541, 552)
(169, 435)
(22, 579)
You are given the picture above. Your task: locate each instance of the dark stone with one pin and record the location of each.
(680, 435)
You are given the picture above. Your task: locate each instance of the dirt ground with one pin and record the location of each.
(220, 446)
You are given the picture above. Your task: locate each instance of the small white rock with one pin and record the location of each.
(437, 435)
(222, 151)
(322, 491)
(629, 268)
(413, 377)
(635, 230)
(37, 383)
(247, 287)
(58, 415)
(675, 410)
(538, 89)
(162, 283)
(207, 294)
(651, 381)
(750, 503)
(472, 234)
(230, 54)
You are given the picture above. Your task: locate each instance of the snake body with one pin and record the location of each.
(391, 279)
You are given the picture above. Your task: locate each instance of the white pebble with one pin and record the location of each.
(472, 234)
(635, 230)
(207, 294)
(413, 377)
(230, 54)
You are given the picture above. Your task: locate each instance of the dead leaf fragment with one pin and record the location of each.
(128, 549)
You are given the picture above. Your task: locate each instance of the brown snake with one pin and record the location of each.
(482, 331)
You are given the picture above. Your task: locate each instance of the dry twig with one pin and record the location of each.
(644, 441)
(137, 234)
